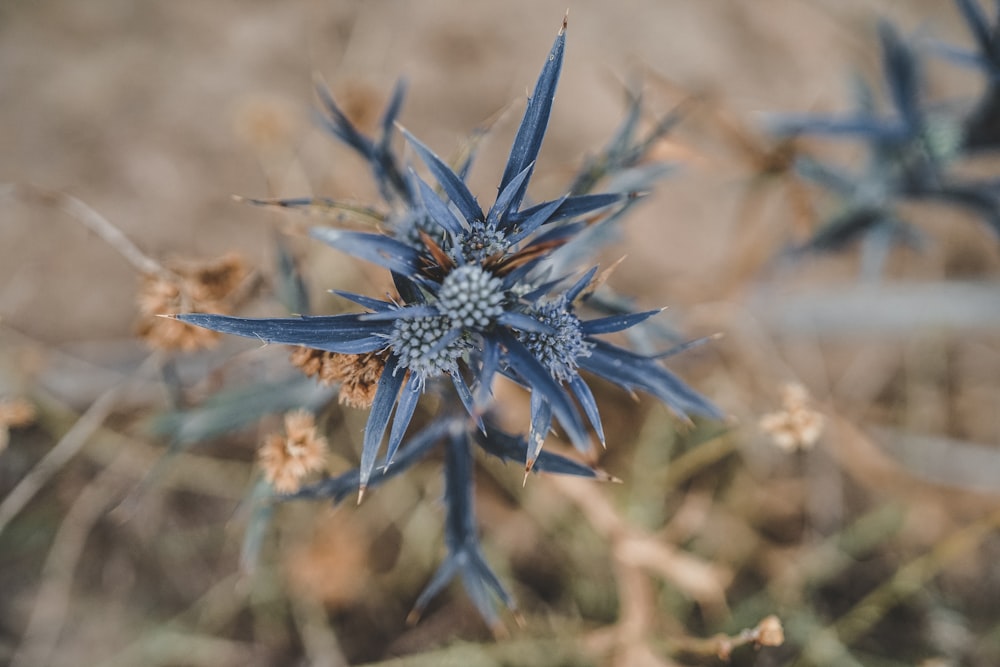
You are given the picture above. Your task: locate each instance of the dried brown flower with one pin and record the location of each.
(14, 413)
(205, 287)
(796, 426)
(358, 374)
(287, 458)
(769, 632)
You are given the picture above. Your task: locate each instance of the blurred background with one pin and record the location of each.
(872, 536)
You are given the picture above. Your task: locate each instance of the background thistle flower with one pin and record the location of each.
(911, 157)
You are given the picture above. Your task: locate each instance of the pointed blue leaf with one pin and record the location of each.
(684, 347)
(453, 186)
(541, 423)
(490, 364)
(834, 126)
(378, 418)
(570, 207)
(409, 396)
(538, 378)
(438, 211)
(966, 58)
(586, 399)
(368, 302)
(573, 292)
(902, 75)
(442, 577)
(530, 133)
(527, 226)
(378, 249)
(543, 289)
(391, 114)
(632, 371)
(829, 177)
(337, 123)
(978, 24)
(613, 323)
(509, 447)
(290, 287)
(340, 487)
(408, 312)
(337, 333)
(507, 195)
(467, 399)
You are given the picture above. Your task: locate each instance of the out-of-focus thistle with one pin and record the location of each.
(911, 155)
(481, 293)
(982, 124)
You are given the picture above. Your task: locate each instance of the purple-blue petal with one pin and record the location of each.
(335, 333)
(613, 323)
(378, 418)
(634, 371)
(530, 133)
(531, 371)
(409, 396)
(452, 184)
(378, 249)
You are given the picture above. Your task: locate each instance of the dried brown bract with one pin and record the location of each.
(214, 286)
(289, 457)
(357, 374)
(770, 632)
(14, 413)
(796, 426)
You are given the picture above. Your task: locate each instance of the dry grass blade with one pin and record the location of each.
(91, 219)
(52, 602)
(826, 647)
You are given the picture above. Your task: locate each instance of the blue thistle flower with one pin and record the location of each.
(479, 295)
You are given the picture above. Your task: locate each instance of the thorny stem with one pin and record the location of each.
(90, 219)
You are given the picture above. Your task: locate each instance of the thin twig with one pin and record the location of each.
(68, 446)
(90, 219)
(51, 606)
(318, 639)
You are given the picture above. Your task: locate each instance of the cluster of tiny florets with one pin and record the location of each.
(558, 351)
(481, 241)
(426, 346)
(471, 297)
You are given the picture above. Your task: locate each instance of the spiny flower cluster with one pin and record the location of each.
(481, 294)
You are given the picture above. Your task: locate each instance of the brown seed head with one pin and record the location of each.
(357, 374)
(206, 287)
(286, 459)
(769, 632)
(796, 425)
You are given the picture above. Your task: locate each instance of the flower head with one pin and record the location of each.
(796, 426)
(481, 293)
(289, 457)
